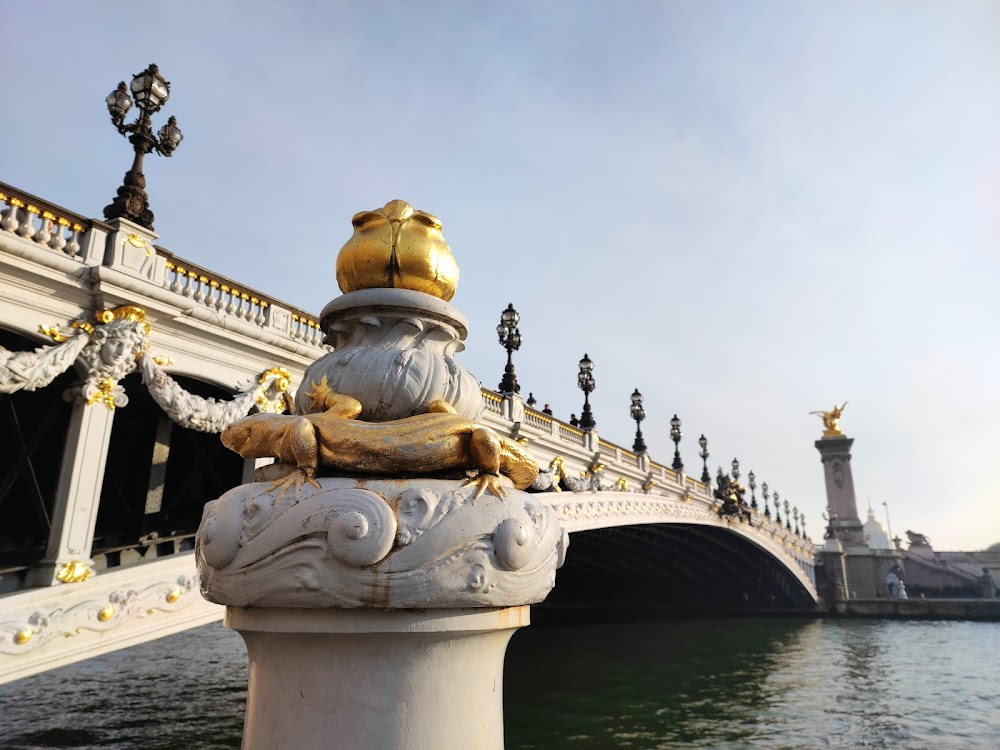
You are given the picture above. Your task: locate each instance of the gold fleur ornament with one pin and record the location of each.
(74, 572)
(397, 246)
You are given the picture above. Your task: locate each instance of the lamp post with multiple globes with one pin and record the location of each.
(151, 91)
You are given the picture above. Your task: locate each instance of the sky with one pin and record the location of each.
(747, 210)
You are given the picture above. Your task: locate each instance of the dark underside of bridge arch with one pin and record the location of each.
(671, 569)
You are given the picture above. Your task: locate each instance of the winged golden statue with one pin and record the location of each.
(831, 420)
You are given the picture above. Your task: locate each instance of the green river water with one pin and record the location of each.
(732, 683)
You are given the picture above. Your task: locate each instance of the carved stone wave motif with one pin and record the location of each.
(109, 350)
(418, 543)
(20, 636)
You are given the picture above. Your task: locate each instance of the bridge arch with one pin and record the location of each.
(636, 551)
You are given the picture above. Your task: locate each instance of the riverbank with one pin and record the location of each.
(920, 609)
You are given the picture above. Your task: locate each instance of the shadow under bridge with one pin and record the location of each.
(683, 567)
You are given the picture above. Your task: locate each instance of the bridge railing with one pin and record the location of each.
(39, 221)
(92, 242)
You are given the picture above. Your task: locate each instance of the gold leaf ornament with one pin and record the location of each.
(397, 246)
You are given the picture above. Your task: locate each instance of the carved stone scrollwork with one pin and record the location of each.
(378, 543)
(395, 362)
(20, 636)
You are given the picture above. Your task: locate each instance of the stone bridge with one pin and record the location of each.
(101, 492)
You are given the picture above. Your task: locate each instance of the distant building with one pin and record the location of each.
(875, 533)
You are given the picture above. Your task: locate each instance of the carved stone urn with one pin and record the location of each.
(378, 569)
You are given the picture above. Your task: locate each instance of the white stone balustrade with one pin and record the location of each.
(31, 219)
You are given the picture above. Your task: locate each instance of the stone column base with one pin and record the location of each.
(369, 679)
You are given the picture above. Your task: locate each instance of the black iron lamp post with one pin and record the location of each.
(638, 414)
(752, 482)
(764, 494)
(736, 470)
(151, 91)
(704, 459)
(802, 519)
(788, 517)
(510, 339)
(795, 515)
(585, 379)
(675, 435)
(777, 509)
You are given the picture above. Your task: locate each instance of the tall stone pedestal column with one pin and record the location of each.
(860, 571)
(377, 613)
(842, 505)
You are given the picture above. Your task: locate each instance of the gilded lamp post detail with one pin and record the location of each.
(392, 511)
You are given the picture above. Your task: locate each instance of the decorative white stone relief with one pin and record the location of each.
(110, 350)
(30, 371)
(20, 636)
(423, 543)
(394, 352)
(209, 414)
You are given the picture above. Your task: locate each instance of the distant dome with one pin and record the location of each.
(877, 537)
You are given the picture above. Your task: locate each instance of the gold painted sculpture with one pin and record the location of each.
(423, 445)
(831, 420)
(397, 246)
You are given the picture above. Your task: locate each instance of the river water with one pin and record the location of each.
(739, 683)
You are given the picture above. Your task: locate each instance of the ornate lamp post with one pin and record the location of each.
(752, 481)
(638, 414)
(510, 339)
(585, 380)
(764, 494)
(802, 519)
(704, 460)
(531, 400)
(777, 509)
(151, 91)
(736, 470)
(788, 521)
(795, 515)
(675, 435)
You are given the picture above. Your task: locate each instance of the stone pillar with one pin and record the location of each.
(376, 612)
(378, 569)
(842, 506)
(78, 494)
(395, 679)
(862, 570)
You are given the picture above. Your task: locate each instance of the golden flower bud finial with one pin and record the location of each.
(397, 246)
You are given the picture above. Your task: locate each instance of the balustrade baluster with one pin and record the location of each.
(189, 286)
(244, 309)
(9, 222)
(260, 319)
(27, 227)
(73, 246)
(44, 233)
(199, 296)
(57, 227)
(231, 303)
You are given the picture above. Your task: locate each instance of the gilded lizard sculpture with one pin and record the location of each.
(436, 441)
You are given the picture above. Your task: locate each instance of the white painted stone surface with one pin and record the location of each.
(375, 680)
(417, 543)
(66, 624)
